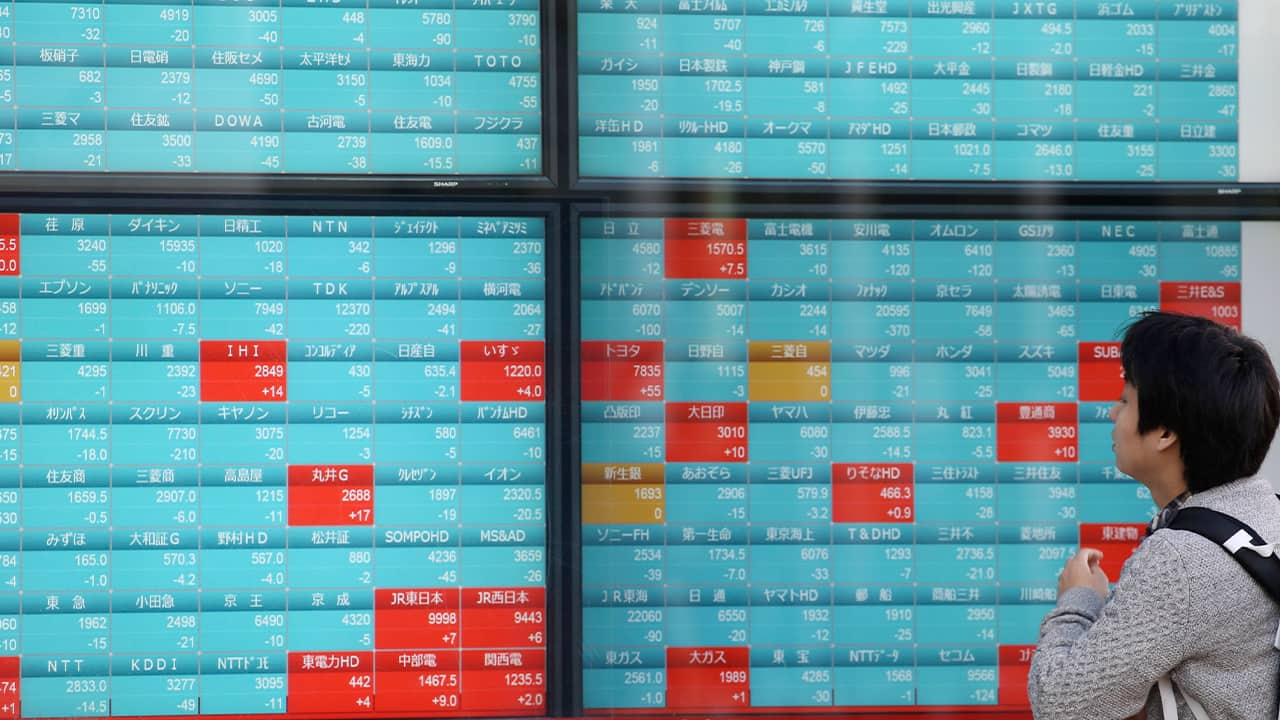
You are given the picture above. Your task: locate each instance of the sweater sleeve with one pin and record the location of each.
(1098, 661)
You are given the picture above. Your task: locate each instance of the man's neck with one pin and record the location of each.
(1164, 490)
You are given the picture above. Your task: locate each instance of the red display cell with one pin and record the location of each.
(10, 244)
(707, 248)
(1117, 541)
(1015, 664)
(1037, 432)
(872, 492)
(330, 495)
(1101, 377)
(1218, 301)
(429, 683)
(513, 680)
(416, 618)
(503, 371)
(619, 371)
(708, 678)
(10, 685)
(243, 370)
(340, 681)
(504, 617)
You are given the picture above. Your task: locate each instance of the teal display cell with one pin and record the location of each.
(485, 443)
(155, 633)
(874, 97)
(239, 152)
(693, 34)
(345, 566)
(869, 36)
(1036, 382)
(972, 261)
(327, 381)
(239, 632)
(145, 570)
(1120, 501)
(323, 28)
(66, 634)
(624, 627)
(141, 25)
(1047, 37)
(246, 694)
(872, 321)
(954, 442)
(954, 502)
(706, 503)
(612, 689)
(858, 382)
(500, 319)
(1198, 40)
(64, 382)
(413, 257)
(1022, 321)
(947, 686)
(151, 151)
(1197, 161)
(414, 319)
(1052, 161)
(709, 158)
(254, 90)
(791, 626)
(873, 624)
(155, 507)
(938, 159)
(503, 504)
(790, 503)
(874, 564)
(1131, 101)
(63, 256)
(60, 87)
(241, 319)
(620, 157)
(705, 381)
(58, 150)
(956, 624)
(623, 32)
(958, 563)
(866, 159)
(58, 571)
(238, 507)
(1118, 161)
(622, 442)
(789, 565)
(695, 565)
(791, 687)
(500, 154)
(618, 96)
(329, 630)
(872, 442)
(723, 626)
(1095, 443)
(955, 381)
(487, 28)
(415, 505)
(316, 152)
(156, 89)
(416, 381)
(777, 320)
(47, 697)
(409, 27)
(320, 444)
(956, 99)
(63, 508)
(1200, 262)
(1106, 321)
(501, 257)
(235, 26)
(803, 159)
(1032, 563)
(500, 567)
(1120, 259)
(1097, 39)
(146, 319)
(622, 566)
(1038, 503)
(262, 569)
(231, 445)
(491, 92)
(1198, 101)
(952, 38)
(436, 567)
(861, 260)
(875, 686)
(956, 321)
(1020, 624)
(407, 154)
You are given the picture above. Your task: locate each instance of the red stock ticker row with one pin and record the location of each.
(257, 371)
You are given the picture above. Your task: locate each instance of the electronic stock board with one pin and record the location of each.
(272, 465)
(809, 90)
(838, 463)
(411, 87)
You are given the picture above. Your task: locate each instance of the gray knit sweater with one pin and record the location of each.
(1181, 604)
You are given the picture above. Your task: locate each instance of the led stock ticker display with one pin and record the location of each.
(261, 465)
(1057, 90)
(837, 463)
(425, 87)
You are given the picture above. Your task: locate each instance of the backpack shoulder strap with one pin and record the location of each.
(1255, 555)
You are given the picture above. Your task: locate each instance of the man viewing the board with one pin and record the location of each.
(1189, 629)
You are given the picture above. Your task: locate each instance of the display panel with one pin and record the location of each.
(838, 463)
(1063, 90)
(267, 465)
(430, 87)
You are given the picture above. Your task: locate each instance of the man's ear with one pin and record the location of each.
(1165, 439)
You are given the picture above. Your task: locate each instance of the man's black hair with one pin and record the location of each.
(1212, 386)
